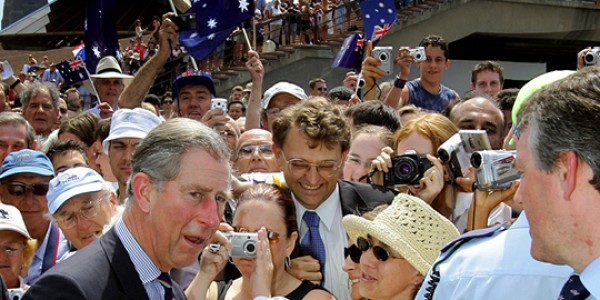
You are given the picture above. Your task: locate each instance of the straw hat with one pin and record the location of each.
(109, 67)
(410, 226)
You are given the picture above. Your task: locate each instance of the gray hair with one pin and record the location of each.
(16, 119)
(159, 154)
(564, 116)
(33, 88)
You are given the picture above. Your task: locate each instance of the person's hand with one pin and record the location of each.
(465, 184)
(404, 61)
(263, 270)
(215, 117)
(354, 99)
(370, 68)
(580, 55)
(212, 262)
(255, 67)
(382, 163)
(306, 268)
(167, 35)
(432, 182)
(106, 111)
(6, 69)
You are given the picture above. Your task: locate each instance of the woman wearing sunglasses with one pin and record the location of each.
(398, 247)
(268, 210)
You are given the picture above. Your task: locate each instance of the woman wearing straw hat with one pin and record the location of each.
(398, 247)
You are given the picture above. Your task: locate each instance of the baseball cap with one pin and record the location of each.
(11, 219)
(130, 123)
(280, 88)
(194, 77)
(71, 183)
(26, 161)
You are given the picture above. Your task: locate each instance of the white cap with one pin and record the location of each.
(282, 87)
(130, 123)
(11, 219)
(71, 183)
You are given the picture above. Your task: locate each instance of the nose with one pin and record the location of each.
(368, 259)
(83, 223)
(348, 265)
(312, 175)
(256, 155)
(210, 214)
(361, 171)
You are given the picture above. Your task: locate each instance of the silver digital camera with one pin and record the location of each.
(418, 53)
(384, 54)
(243, 244)
(15, 294)
(494, 169)
(592, 57)
(455, 153)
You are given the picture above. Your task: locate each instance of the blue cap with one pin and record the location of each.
(193, 77)
(70, 183)
(26, 161)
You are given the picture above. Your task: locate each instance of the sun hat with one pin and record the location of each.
(530, 88)
(194, 77)
(130, 123)
(280, 88)
(410, 226)
(71, 183)
(11, 219)
(26, 161)
(109, 67)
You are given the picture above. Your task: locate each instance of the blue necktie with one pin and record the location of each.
(165, 281)
(311, 243)
(573, 290)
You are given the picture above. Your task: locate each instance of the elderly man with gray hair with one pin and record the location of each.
(40, 107)
(179, 184)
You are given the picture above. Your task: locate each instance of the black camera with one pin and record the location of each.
(185, 22)
(407, 168)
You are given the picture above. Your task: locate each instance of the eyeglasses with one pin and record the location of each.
(167, 101)
(325, 168)
(322, 89)
(353, 252)
(263, 149)
(358, 162)
(273, 111)
(12, 249)
(273, 237)
(379, 252)
(89, 210)
(63, 110)
(19, 189)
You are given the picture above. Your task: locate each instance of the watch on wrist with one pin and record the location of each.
(399, 83)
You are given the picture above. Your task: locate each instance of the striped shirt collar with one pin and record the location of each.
(141, 261)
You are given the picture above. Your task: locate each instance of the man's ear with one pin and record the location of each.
(142, 187)
(278, 155)
(568, 172)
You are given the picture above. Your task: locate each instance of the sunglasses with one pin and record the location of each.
(379, 252)
(353, 252)
(19, 189)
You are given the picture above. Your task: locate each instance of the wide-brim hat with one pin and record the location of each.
(109, 67)
(410, 226)
(283, 87)
(71, 183)
(11, 219)
(193, 77)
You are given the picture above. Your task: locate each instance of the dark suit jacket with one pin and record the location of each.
(358, 198)
(102, 270)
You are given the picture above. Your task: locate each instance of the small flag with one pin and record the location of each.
(351, 54)
(79, 52)
(378, 16)
(73, 71)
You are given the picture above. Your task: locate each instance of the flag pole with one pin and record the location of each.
(192, 59)
(246, 38)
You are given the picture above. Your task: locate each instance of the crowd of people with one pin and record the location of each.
(287, 194)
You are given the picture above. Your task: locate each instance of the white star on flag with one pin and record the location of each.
(203, 5)
(211, 36)
(368, 16)
(243, 5)
(381, 5)
(193, 35)
(212, 23)
(96, 51)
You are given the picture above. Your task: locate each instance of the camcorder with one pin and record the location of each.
(455, 153)
(384, 54)
(407, 168)
(494, 169)
(592, 57)
(418, 53)
(185, 22)
(243, 244)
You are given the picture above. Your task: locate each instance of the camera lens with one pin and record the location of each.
(250, 248)
(406, 169)
(383, 56)
(476, 159)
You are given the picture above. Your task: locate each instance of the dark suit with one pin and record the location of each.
(102, 270)
(358, 198)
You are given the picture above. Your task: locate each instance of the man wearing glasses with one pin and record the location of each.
(82, 204)
(24, 179)
(254, 153)
(277, 98)
(311, 140)
(317, 87)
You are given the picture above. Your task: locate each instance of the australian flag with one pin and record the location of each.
(378, 17)
(100, 35)
(351, 53)
(216, 19)
(73, 71)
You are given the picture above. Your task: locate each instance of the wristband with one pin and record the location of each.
(12, 86)
(399, 83)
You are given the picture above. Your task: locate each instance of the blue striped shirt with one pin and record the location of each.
(146, 269)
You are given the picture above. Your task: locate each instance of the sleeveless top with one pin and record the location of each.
(420, 97)
(304, 288)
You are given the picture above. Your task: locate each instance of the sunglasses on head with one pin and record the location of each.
(379, 252)
(353, 252)
(19, 189)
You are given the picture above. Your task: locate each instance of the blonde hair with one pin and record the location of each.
(28, 252)
(436, 127)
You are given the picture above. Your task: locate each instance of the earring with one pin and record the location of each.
(230, 260)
